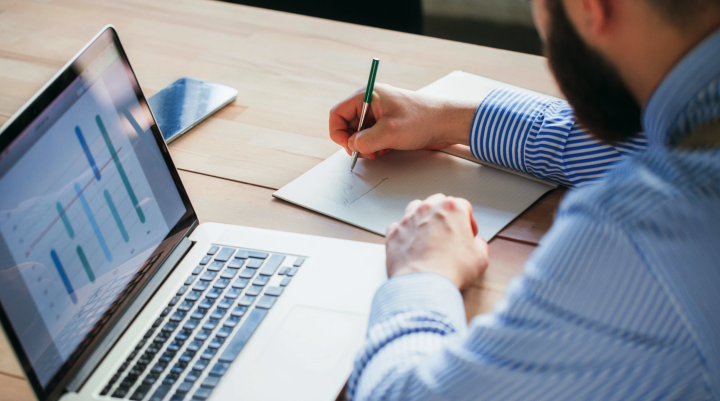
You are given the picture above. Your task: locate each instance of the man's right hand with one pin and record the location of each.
(400, 119)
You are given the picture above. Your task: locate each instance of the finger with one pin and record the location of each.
(391, 230)
(412, 207)
(373, 139)
(467, 207)
(344, 118)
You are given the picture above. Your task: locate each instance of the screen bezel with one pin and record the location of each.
(12, 129)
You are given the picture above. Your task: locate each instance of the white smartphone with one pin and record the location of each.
(187, 102)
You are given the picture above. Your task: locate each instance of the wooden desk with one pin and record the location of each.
(289, 70)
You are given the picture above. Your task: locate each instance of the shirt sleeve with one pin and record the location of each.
(540, 136)
(587, 320)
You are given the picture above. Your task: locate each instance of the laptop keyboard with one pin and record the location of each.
(202, 330)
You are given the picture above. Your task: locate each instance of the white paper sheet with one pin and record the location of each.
(375, 194)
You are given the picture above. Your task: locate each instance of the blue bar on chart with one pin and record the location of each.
(86, 149)
(63, 276)
(93, 222)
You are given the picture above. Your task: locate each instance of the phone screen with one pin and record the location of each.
(185, 103)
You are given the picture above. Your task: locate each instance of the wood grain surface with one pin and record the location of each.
(289, 70)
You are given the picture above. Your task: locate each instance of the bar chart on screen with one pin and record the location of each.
(81, 206)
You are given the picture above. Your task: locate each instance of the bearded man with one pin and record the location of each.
(621, 299)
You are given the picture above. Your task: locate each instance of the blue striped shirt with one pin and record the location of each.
(621, 300)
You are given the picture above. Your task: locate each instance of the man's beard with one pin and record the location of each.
(602, 101)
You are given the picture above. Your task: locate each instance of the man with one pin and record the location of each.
(620, 300)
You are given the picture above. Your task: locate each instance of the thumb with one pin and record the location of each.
(372, 139)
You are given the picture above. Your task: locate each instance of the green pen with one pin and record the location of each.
(366, 104)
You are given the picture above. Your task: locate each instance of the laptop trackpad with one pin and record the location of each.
(311, 346)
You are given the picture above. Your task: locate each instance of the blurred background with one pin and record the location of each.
(503, 24)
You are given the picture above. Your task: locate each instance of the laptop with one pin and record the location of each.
(111, 290)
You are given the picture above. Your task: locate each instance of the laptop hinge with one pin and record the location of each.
(132, 311)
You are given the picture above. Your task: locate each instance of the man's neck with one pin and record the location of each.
(648, 58)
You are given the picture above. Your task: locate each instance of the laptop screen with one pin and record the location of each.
(87, 200)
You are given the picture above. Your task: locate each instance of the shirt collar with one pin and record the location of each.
(685, 81)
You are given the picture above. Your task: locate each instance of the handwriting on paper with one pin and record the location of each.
(352, 191)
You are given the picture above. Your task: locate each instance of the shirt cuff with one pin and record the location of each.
(425, 292)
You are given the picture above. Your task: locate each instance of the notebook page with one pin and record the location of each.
(376, 193)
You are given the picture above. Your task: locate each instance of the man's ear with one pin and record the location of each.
(591, 18)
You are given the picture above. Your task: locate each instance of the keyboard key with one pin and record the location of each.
(240, 283)
(210, 324)
(254, 263)
(170, 327)
(261, 280)
(214, 293)
(194, 346)
(224, 254)
(224, 332)
(209, 353)
(285, 281)
(150, 379)
(226, 303)
(198, 313)
(140, 392)
(183, 335)
(232, 321)
(187, 356)
(193, 296)
(171, 378)
(192, 376)
(299, 262)
(216, 342)
(157, 322)
(207, 303)
(272, 265)
(202, 394)
(254, 290)
(219, 369)
(236, 263)
(239, 311)
(213, 249)
(174, 301)
(177, 397)
(216, 266)
(241, 254)
(292, 272)
(182, 290)
(217, 314)
(228, 273)
(221, 283)
(160, 393)
(189, 280)
(184, 387)
(247, 273)
(266, 302)
(159, 367)
(165, 312)
(256, 254)
(274, 291)
(283, 270)
(119, 393)
(197, 270)
(202, 285)
(179, 315)
(184, 307)
(233, 293)
(179, 367)
(210, 382)
(203, 335)
(208, 276)
(191, 324)
(175, 345)
(243, 335)
(246, 300)
(205, 259)
(200, 365)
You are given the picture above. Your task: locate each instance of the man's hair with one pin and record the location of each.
(682, 12)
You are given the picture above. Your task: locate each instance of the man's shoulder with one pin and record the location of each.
(648, 184)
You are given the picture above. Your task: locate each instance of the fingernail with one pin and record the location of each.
(350, 145)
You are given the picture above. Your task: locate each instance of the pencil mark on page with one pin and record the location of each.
(346, 196)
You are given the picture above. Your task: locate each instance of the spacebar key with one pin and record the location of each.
(243, 335)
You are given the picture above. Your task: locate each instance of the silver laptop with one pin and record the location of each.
(109, 288)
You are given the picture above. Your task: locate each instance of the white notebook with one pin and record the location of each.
(375, 194)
